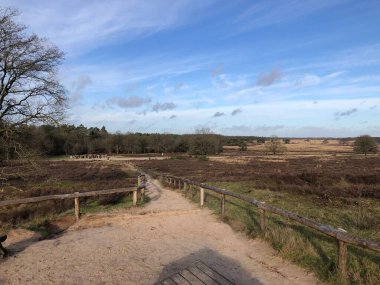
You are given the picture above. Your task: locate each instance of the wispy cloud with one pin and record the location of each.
(128, 102)
(218, 114)
(224, 81)
(266, 13)
(269, 78)
(78, 86)
(236, 111)
(163, 106)
(349, 112)
(88, 24)
(172, 117)
(309, 80)
(266, 128)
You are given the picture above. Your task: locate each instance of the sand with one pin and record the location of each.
(143, 246)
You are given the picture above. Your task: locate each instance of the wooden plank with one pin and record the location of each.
(108, 191)
(191, 277)
(64, 196)
(223, 206)
(135, 198)
(326, 229)
(213, 274)
(342, 261)
(262, 220)
(202, 276)
(76, 206)
(168, 281)
(180, 280)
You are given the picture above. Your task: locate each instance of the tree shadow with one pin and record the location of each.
(221, 269)
(49, 230)
(153, 191)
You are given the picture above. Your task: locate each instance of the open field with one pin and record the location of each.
(305, 147)
(327, 183)
(22, 180)
(326, 176)
(339, 190)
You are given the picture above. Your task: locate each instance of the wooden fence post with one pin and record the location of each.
(141, 182)
(135, 197)
(179, 184)
(262, 219)
(142, 194)
(223, 205)
(202, 196)
(76, 206)
(342, 261)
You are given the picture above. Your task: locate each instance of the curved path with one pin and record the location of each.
(145, 245)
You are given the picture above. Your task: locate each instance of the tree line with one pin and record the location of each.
(74, 140)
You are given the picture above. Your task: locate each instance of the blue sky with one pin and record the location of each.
(286, 68)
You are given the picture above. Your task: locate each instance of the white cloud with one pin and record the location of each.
(128, 102)
(309, 80)
(265, 13)
(82, 25)
(163, 106)
(269, 78)
(78, 87)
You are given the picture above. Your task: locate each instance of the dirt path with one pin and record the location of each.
(146, 245)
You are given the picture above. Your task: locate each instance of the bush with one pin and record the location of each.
(365, 144)
(275, 146)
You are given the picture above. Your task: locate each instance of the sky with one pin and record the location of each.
(296, 68)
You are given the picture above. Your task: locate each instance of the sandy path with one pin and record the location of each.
(145, 245)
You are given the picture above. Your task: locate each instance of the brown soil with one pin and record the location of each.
(145, 245)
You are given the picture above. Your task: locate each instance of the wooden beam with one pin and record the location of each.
(262, 220)
(63, 196)
(135, 197)
(326, 229)
(202, 196)
(77, 206)
(223, 206)
(342, 261)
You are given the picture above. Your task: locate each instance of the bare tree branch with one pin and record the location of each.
(29, 89)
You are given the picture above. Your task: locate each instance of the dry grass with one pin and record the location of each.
(60, 177)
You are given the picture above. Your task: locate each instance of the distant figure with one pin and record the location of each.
(162, 154)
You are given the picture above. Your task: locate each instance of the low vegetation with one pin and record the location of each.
(339, 191)
(22, 180)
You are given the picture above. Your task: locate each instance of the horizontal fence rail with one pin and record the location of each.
(340, 235)
(139, 189)
(65, 196)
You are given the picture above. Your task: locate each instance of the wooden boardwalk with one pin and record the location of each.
(197, 274)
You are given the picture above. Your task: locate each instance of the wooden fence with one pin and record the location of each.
(340, 235)
(139, 189)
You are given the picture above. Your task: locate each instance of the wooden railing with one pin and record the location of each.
(139, 189)
(340, 235)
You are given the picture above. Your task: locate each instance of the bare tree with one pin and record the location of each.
(29, 89)
(275, 145)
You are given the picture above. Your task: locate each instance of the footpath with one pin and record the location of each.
(146, 245)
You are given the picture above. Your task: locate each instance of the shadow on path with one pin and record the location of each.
(224, 270)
